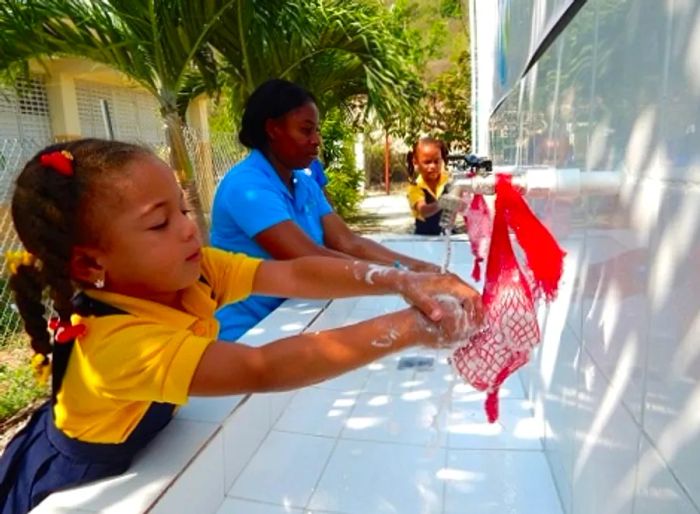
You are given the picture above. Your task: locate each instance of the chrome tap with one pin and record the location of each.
(531, 181)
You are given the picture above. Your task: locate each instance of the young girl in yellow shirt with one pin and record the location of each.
(109, 238)
(428, 159)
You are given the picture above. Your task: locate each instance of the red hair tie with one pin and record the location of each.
(65, 331)
(62, 162)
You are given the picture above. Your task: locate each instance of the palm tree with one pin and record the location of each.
(338, 49)
(160, 44)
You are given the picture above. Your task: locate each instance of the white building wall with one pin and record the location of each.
(616, 382)
(133, 113)
(24, 111)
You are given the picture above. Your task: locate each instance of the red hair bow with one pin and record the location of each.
(65, 331)
(62, 162)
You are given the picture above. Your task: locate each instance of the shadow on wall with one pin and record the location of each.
(619, 385)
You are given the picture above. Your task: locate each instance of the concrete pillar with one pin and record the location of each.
(63, 106)
(198, 120)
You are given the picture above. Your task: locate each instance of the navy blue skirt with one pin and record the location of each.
(40, 459)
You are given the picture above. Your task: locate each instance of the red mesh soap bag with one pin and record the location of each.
(511, 329)
(478, 223)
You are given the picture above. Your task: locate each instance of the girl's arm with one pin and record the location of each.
(427, 209)
(321, 277)
(232, 368)
(339, 237)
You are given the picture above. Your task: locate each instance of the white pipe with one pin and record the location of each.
(534, 182)
(546, 181)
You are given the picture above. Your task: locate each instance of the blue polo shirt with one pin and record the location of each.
(250, 199)
(315, 171)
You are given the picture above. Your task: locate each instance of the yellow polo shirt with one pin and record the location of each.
(125, 362)
(416, 192)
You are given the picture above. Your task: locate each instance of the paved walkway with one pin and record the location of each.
(384, 213)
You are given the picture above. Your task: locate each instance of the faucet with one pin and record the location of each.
(538, 182)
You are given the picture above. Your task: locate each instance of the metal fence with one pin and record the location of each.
(211, 159)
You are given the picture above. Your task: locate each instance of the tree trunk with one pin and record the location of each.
(184, 171)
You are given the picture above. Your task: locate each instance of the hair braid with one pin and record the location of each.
(27, 285)
(51, 214)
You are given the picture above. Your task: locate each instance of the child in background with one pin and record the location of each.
(428, 159)
(109, 238)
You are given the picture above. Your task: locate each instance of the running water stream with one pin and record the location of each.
(448, 251)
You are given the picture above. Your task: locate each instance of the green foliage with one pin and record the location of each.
(374, 165)
(224, 114)
(446, 108)
(18, 389)
(451, 8)
(162, 45)
(338, 154)
(346, 52)
(438, 41)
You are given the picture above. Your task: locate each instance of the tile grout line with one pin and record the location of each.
(330, 455)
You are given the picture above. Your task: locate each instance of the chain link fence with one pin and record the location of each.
(210, 158)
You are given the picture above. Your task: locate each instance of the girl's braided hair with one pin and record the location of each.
(53, 212)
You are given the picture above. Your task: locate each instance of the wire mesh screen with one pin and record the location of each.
(24, 110)
(210, 159)
(13, 154)
(131, 114)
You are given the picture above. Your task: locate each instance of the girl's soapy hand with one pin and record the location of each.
(455, 327)
(425, 291)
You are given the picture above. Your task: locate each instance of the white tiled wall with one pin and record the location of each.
(618, 389)
(384, 440)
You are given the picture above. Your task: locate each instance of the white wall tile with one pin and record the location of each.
(606, 446)
(200, 488)
(658, 491)
(498, 482)
(396, 419)
(238, 506)
(152, 472)
(515, 428)
(316, 411)
(363, 477)
(243, 433)
(284, 470)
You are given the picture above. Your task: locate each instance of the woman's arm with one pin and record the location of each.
(321, 277)
(287, 241)
(339, 237)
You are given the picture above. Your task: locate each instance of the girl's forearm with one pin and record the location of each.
(317, 357)
(428, 209)
(231, 368)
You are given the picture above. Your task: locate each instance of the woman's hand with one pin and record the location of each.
(425, 290)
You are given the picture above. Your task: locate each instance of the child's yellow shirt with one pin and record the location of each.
(417, 192)
(125, 362)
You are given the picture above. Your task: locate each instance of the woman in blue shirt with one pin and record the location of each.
(266, 206)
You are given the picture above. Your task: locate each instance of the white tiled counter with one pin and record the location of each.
(366, 442)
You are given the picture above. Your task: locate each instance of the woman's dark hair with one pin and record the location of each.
(271, 100)
(51, 213)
